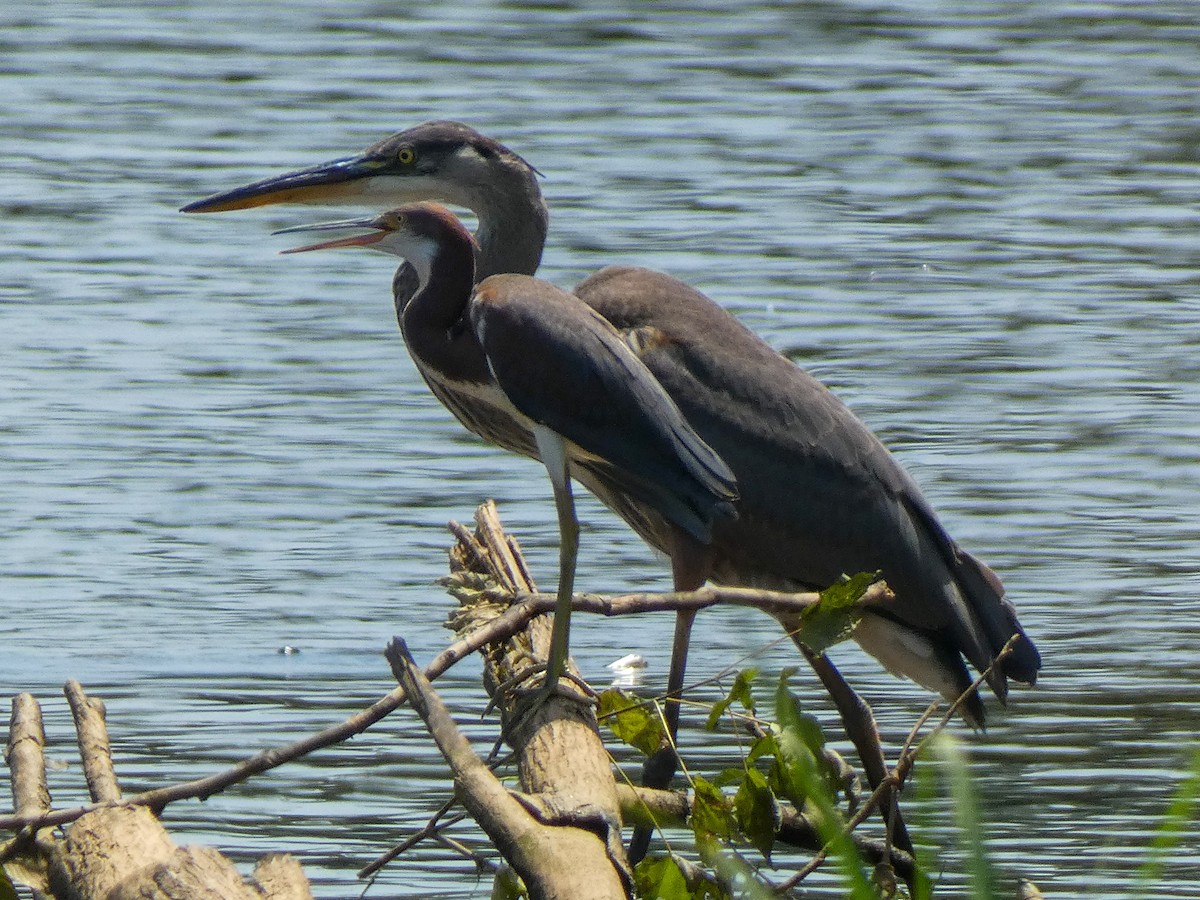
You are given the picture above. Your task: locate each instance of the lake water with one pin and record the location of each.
(976, 221)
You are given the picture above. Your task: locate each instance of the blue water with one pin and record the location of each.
(975, 221)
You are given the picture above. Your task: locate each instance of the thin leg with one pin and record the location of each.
(689, 569)
(568, 553)
(679, 653)
(554, 457)
(860, 727)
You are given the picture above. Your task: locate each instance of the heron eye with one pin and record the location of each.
(406, 156)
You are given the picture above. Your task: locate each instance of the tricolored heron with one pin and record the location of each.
(819, 494)
(521, 360)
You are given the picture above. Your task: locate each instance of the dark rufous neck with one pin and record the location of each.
(434, 319)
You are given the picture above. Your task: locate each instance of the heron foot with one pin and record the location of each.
(660, 767)
(535, 697)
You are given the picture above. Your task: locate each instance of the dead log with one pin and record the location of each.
(116, 852)
(562, 835)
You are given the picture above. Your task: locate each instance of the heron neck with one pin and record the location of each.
(513, 221)
(434, 322)
(445, 281)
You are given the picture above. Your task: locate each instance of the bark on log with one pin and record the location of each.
(124, 853)
(562, 859)
(26, 757)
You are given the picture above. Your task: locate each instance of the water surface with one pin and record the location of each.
(976, 221)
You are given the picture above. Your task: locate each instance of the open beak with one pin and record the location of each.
(375, 232)
(329, 182)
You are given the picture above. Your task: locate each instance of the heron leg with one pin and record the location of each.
(679, 653)
(568, 552)
(554, 456)
(859, 723)
(689, 569)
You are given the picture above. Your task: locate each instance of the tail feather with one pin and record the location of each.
(999, 618)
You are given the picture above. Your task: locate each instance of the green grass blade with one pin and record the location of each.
(1171, 830)
(967, 816)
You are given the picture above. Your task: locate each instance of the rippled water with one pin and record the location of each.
(977, 222)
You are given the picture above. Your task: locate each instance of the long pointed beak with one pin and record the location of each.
(328, 182)
(376, 232)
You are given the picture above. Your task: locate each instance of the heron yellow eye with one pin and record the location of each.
(406, 156)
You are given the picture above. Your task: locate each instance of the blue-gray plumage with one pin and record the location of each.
(564, 366)
(517, 354)
(819, 494)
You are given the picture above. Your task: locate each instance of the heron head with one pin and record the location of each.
(417, 232)
(444, 161)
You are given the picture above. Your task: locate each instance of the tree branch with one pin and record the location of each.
(502, 627)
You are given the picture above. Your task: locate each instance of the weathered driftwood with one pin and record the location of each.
(562, 835)
(116, 852)
(25, 757)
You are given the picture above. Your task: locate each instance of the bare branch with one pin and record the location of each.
(488, 801)
(507, 563)
(435, 824)
(555, 859)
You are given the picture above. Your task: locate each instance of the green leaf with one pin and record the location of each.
(800, 779)
(507, 885)
(757, 812)
(797, 725)
(731, 869)
(765, 745)
(729, 777)
(739, 693)
(632, 721)
(833, 618)
(7, 891)
(660, 879)
(797, 764)
(712, 814)
(922, 784)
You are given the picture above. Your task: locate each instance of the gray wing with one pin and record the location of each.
(561, 365)
(819, 494)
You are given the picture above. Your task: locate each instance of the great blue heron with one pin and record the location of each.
(820, 496)
(519, 359)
